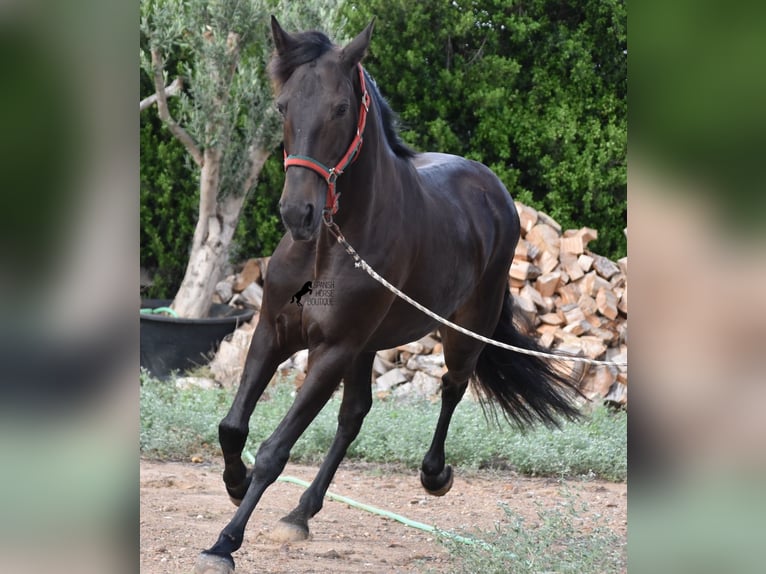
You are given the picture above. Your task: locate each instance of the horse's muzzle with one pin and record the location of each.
(300, 220)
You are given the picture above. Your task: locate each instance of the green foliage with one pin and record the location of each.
(169, 199)
(537, 91)
(557, 543)
(260, 227)
(176, 423)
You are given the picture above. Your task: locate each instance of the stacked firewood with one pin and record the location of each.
(574, 301)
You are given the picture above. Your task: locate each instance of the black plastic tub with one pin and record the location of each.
(174, 344)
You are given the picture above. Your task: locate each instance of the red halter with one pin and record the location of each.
(330, 175)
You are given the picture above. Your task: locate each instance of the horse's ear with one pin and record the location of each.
(355, 50)
(282, 40)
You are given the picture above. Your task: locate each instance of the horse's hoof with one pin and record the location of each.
(213, 564)
(288, 532)
(438, 485)
(237, 493)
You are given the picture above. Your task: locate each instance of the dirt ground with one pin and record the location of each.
(184, 507)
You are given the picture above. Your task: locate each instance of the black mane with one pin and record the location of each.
(310, 46)
(390, 120)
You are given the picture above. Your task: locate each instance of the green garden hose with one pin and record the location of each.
(397, 517)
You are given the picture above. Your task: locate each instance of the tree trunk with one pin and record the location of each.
(215, 229)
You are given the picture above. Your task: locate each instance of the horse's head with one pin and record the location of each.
(314, 81)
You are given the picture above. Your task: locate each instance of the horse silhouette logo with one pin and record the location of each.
(303, 290)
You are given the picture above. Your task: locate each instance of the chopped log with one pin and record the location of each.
(569, 293)
(571, 266)
(587, 304)
(606, 303)
(533, 294)
(572, 313)
(524, 270)
(552, 319)
(577, 328)
(618, 394)
(585, 262)
(587, 234)
(527, 308)
(622, 303)
(607, 336)
(516, 284)
(543, 328)
(586, 284)
(593, 347)
(548, 220)
(623, 264)
(598, 321)
(622, 377)
(250, 272)
(546, 340)
(598, 381)
(545, 238)
(547, 261)
(547, 283)
(527, 217)
(571, 245)
(601, 283)
(604, 266)
(549, 304)
(522, 251)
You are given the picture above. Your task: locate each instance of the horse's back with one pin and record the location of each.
(471, 187)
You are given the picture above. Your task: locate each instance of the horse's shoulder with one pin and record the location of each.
(434, 160)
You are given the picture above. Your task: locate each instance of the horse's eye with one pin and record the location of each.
(281, 108)
(341, 109)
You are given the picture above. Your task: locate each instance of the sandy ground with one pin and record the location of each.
(184, 506)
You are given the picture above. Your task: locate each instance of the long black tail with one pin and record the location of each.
(528, 389)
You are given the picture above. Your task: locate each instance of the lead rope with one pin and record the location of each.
(361, 263)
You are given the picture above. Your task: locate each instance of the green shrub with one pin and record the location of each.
(557, 543)
(176, 424)
(537, 92)
(169, 207)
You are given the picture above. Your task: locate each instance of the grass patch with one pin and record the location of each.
(178, 423)
(556, 542)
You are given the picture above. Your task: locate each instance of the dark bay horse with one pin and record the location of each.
(441, 228)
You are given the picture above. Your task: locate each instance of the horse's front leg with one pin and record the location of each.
(357, 400)
(326, 366)
(266, 352)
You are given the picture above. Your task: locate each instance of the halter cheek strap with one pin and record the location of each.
(331, 174)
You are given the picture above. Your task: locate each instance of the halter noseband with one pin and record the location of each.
(331, 174)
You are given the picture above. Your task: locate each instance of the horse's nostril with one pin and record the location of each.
(309, 215)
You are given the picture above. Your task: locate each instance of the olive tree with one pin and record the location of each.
(224, 116)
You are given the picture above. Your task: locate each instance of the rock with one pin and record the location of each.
(229, 361)
(391, 379)
(186, 383)
(380, 366)
(251, 297)
(413, 348)
(421, 386)
(223, 290)
(389, 355)
(432, 365)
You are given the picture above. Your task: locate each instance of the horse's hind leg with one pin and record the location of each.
(263, 358)
(357, 400)
(461, 354)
